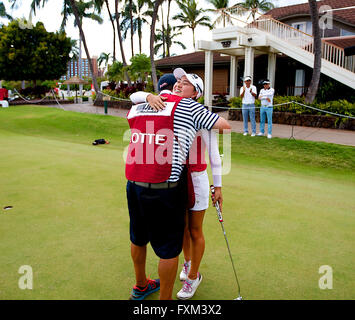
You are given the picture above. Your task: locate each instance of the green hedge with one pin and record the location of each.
(339, 106)
(85, 98)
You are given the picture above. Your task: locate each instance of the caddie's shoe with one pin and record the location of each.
(260, 134)
(189, 288)
(269, 136)
(140, 294)
(185, 271)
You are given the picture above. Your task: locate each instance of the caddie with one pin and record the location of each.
(156, 187)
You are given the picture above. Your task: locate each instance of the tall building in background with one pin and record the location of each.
(73, 68)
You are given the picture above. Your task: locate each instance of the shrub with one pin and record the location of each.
(339, 106)
(35, 92)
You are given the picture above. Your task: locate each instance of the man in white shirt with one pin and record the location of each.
(266, 97)
(248, 93)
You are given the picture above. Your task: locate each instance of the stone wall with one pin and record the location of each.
(306, 120)
(44, 102)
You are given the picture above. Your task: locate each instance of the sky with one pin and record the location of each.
(100, 37)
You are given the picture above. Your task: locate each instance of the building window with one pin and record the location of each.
(346, 33)
(301, 26)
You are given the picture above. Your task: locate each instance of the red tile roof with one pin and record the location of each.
(195, 58)
(342, 42)
(345, 16)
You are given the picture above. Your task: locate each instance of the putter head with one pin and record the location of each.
(239, 298)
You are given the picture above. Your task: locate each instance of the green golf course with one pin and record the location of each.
(289, 208)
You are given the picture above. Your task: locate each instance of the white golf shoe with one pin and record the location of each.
(269, 136)
(260, 134)
(189, 288)
(245, 133)
(253, 134)
(185, 270)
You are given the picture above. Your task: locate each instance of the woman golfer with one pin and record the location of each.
(191, 86)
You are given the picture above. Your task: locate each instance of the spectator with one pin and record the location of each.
(266, 97)
(248, 93)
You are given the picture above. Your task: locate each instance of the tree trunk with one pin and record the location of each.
(152, 36)
(77, 19)
(163, 31)
(317, 48)
(80, 65)
(114, 30)
(140, 35)
(193, 37)
(124, 62)
(168, 41)
(131, 16)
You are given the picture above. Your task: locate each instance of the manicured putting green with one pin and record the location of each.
(289, 208)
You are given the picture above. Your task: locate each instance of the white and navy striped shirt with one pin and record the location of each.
(190, 116)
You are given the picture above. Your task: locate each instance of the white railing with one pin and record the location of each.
(304, 41)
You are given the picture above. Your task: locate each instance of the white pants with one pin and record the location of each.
(202, 190)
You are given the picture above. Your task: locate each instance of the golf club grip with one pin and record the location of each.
(219, 213)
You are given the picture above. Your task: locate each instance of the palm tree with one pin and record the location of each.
(157, 3)
(74, 53)
(317, 44)
(141, 18)
(133, 20)
(256, 5)
(169, 41)
(3, 13)
(130, 6)
(220, 7)
(98, 6)
(103, 58)
(82, 9)
(124, 61)
(78, 18)
(190, 16)
(128, 22)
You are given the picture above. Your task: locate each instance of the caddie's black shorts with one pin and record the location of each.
(157, 216)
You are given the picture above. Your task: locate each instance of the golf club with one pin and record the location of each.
(220, 218)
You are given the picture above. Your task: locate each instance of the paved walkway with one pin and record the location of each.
(344, 137)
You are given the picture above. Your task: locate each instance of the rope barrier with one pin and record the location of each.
(105, 94)
(325, 111)
(55, 98)
(28, 100)
(275, 105)
(227, 108)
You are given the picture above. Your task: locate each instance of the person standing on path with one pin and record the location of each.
(248, 94)
(266, 97)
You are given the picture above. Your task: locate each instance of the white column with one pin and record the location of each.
(233, 76)
(208, 78)
(271, 68)
(249, 62)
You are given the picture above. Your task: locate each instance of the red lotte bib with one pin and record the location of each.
(150, 151)
(197, 161)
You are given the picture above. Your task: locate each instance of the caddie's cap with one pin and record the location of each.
(165, 81)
